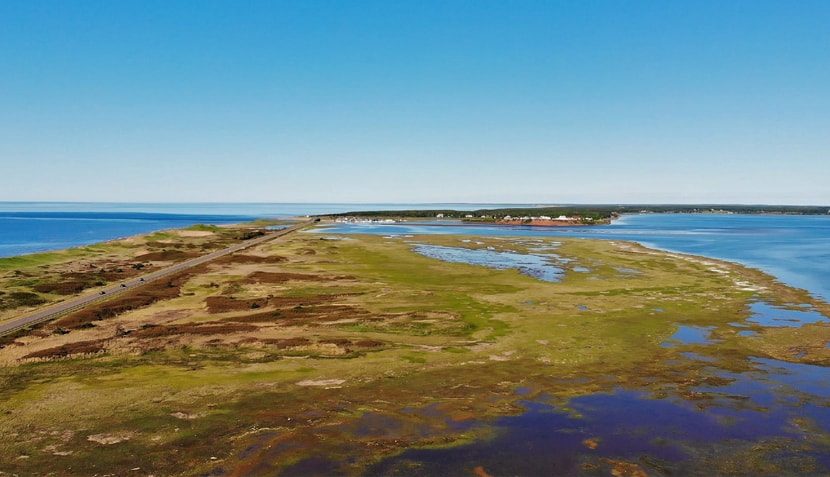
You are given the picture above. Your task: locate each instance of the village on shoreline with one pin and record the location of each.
(549, 216)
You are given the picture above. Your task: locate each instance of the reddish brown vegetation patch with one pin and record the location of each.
(337, 341)
(143, 296)
(287, 342)
(64, 287)
(369, 343)
(166, 256)
(71, 283)
(80, 347)
(156, 331)
(247, 259)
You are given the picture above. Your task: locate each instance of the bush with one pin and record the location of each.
(18, 299)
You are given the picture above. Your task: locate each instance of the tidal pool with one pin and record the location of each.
(770, 420)
(690, 335)
(775, 316)
(535, 266)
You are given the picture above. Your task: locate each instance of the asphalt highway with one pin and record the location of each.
(83, 301)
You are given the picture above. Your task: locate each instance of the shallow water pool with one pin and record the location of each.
(535, 266)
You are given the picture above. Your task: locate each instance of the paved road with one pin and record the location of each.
(75, 304)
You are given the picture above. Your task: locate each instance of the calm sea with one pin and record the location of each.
(29, 227)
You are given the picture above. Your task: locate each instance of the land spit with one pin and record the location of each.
(343, 355)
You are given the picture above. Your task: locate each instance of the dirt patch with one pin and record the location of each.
(110, 439)
(271, 277)
(185, 416)
(321, 382)
(194, 233)
(304, 315)
(224, 304)
(274, 277)
(171, 315)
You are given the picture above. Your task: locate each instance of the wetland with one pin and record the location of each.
(442, 354)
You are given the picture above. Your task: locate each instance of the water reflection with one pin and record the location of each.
(742, 416)
(775, 316)
(535, 266)
(690, 335)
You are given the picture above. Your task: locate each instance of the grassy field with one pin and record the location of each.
(354, 348)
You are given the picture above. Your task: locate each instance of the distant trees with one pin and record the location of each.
(589, 213)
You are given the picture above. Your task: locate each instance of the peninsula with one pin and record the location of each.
(329, 354)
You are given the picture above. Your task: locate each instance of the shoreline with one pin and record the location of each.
(182, 233)
(68, 253)
(297, 331)
(62, 249)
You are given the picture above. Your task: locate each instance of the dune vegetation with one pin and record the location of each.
(332, 353)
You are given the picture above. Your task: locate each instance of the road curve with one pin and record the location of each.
(75, 304)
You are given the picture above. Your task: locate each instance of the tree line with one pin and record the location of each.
(594, 212)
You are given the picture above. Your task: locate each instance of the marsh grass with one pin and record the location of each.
(429, 344)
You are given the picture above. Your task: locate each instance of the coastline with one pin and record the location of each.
(784, 274)
(298, 326)
(69, 254)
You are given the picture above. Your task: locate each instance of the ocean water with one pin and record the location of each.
(29, 227)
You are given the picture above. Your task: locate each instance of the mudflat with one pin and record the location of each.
(335, 353)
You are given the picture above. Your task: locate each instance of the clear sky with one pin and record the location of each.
(416, 101)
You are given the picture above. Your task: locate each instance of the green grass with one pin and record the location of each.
(204, 228)
(22, 262)
(162, 235)
(457, 340)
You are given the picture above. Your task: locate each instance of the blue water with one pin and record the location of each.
(531, 265)
(690, 335)
(776, 316)
(28, 227)
(28, 232)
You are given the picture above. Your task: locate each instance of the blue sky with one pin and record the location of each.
(422, 101)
